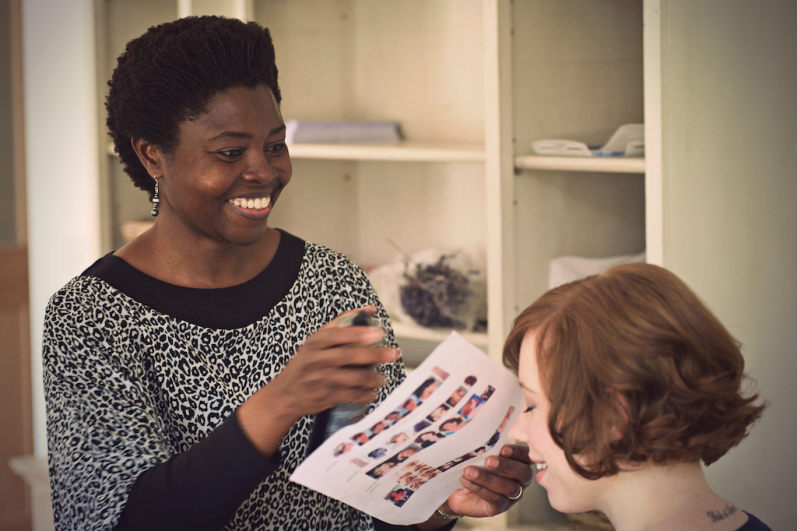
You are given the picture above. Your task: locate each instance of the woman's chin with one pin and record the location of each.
(567, 506)
(249, 236)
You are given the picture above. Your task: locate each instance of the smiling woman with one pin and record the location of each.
(184, 372)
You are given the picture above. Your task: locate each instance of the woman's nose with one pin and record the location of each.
(517, 431)
(260, 169)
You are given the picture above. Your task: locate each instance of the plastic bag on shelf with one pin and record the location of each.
(564, 269)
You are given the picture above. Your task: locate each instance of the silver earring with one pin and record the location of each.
(155, 200)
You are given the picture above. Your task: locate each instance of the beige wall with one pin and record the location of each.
(730, 212)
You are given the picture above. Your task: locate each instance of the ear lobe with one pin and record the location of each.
(149, 155)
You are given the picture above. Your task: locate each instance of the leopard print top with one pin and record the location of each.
(128, 386)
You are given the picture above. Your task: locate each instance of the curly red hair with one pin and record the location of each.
(636, 369)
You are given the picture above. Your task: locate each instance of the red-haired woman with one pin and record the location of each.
(630, 382)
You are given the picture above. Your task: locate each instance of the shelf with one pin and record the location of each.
(585, 164)
(436, 335)
(405, 151)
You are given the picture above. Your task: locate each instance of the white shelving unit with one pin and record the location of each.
(576, 72)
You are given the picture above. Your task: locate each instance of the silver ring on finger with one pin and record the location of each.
(518, 495)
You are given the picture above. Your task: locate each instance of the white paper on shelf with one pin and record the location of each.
(340, 131)
(378, 464)
(627, 141)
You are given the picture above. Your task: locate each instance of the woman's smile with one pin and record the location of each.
(541, 469)
(252, 208)
(256, 204)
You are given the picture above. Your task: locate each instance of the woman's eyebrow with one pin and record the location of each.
(240, 134)
(526, 388)
(277, 129)
(231, 134)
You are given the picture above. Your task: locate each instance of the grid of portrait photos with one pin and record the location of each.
(415, 438)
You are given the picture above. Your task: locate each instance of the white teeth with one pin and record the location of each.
(540, 466)
(257, 204)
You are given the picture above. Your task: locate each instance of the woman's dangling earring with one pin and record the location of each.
(155, 200)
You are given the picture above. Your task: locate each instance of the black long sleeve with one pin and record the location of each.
(379, 525)
(200, 488)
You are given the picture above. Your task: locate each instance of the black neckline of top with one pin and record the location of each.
(222, 308)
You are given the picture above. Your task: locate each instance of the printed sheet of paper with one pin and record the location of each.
(403, 460)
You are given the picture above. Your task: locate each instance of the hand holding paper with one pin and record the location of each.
(407, 457)
(493, 489)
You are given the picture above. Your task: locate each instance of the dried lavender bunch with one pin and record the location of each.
(434, 293)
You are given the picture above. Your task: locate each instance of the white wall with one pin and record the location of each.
(729, 161)
(61, 158)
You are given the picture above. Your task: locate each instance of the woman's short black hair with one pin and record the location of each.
(169, 74)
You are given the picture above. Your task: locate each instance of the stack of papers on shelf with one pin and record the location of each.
(331, 131)
(627, 141)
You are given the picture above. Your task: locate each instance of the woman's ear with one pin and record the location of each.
(149, 155)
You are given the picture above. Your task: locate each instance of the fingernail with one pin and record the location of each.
(491, 462)
(471, 473)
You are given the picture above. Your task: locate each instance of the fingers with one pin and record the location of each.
(343, 367)
(503, 477)
(516, 452)
(330, 394)
(315, 379)
(490, 487)
(356, 378)
(332, 336)
(346, 357)
(514, 462)
(308, 389)
(370, 309)
(337, 364)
